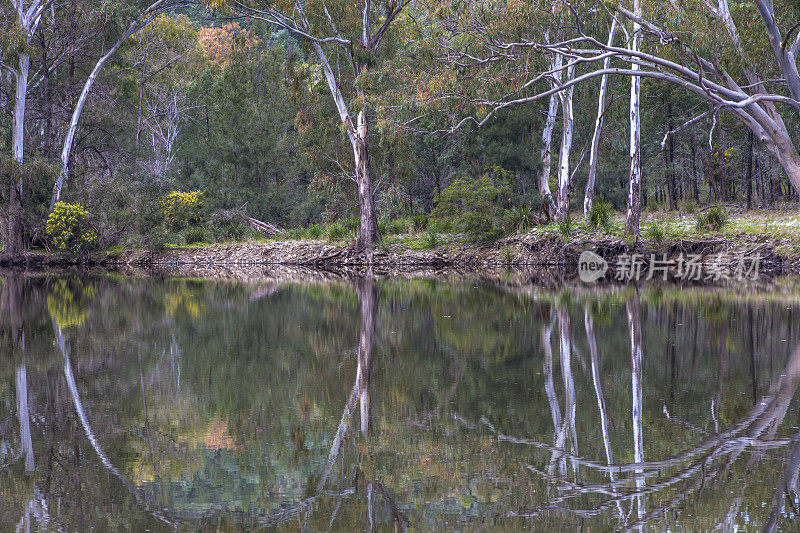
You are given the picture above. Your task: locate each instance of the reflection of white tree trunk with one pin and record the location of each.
(24, 418)
(87, 429)
(598, 387)
(634, 312)
(368, 297)
(565, 351)
(549, 389)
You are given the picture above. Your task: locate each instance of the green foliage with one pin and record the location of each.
(396, 226)
(420, 221)
(655, 233)
(475, 204)
(182, 209)
(600, 215)
(68, 229)
(714, 219)
(195, 234)
(564, 227)
(517, 219)
(429, 242)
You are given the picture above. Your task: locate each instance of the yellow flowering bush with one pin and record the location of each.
(69, 230)
(182, 209)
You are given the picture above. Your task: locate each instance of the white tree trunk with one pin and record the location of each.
(564, 175)
(69, 139)
(634, 209)
(24, 418)
(547, 142)
(66, 152)
(634, 313)
(588, 198)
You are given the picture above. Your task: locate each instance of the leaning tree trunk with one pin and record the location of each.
(634, 209)
(547, 142)
(368, 233)
(588, 198)
(69, 140)
(140, 22)
(564, 176)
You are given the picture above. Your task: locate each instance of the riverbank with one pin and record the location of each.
(766, 241)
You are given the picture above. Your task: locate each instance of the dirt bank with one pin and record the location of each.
(527, 253)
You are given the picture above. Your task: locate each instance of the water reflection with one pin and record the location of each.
(206, 406)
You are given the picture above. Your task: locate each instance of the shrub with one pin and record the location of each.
(655, 233)
(430, 241)
(564, 227)
(195, 234)
(420, 221)
(182, 209)
(600, 215)
(475, 204)
(68, 229)
(714, 219)
(394, 226)
(517, 219)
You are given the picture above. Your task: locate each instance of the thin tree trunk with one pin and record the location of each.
(749, 178)
(66, 152)
(635, 164)
(14, 234)
(564, 176)
(669, 160)
(547, 143)
(588, 198)
(368, 233)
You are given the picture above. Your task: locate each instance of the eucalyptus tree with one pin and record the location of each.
(140, 15)
(346, 38)
(20, 25)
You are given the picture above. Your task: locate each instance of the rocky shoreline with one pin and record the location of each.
(524, 253)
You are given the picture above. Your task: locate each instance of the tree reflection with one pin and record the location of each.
(367, 405)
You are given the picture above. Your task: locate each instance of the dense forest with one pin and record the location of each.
(138, 123)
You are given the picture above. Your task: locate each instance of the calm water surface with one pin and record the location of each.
(161, 405)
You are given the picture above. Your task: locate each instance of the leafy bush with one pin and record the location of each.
(182, 209)
(195, 234)
(564, 227)
(714, 219)
(517, 219)
(600, 215)
(430, 241)
(395, 226)
(68, 229)
(655, 233)
(475, 204)
(420, 221)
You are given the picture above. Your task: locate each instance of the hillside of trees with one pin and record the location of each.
(135, 124)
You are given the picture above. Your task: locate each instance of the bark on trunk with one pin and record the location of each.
(635, 165)
(547, 143)
(588, 199)
(368, 233)
(564, 176)
(14, 231)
